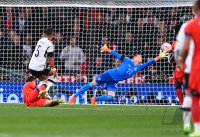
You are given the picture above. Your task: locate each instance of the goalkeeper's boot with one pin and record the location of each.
(61, 100)
(42, 93)
(187, 129)
(72, 100)
(195, 134)
(93, 101)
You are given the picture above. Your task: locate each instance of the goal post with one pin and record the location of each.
(98, 3)
(81, 27)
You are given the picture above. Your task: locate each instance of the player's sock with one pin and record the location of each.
(187, 114)
(196, 113)
(104, 98)
(83, 89)
(41, 83)
(197, 127)
(186, 110)
(179, 94)
(50, 82)
(35, 93)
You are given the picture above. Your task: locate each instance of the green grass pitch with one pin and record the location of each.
(87, 121)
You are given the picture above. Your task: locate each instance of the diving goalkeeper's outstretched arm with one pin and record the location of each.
(138, 60)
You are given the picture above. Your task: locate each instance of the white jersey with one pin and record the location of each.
(39, 58)
(179, 46)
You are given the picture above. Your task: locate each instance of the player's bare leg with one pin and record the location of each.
(42, 79)
(47, 80)
(81, 91)
(35, 94)
(50, 103)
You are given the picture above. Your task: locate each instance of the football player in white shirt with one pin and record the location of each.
(42, 61)
(187, 99)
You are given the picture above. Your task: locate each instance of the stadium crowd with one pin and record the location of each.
(80, 32)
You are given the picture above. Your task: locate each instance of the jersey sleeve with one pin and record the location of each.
(143, 66)
(116, 55)
(29, 85)
(32, 85)
(50, 48)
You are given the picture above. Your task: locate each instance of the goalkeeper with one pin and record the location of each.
(31, 93)
(111, 77)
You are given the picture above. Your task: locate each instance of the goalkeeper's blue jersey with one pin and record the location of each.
(127, 68)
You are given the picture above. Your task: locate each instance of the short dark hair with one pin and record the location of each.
(196, 5)
(49, 32)
(30, 78)
(73, 37)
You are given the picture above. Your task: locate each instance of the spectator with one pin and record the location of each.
(27, 50)
(139, 34)
(151, 75)
(58, 48)
(15, 52)
(162, 28)
(132, 15)
(73, 57)
(8, 18)
(120, 29)
(47, 18)
(112, 16)
(3, 47)
(2, 25)
(97, 27)
(117, 62)
(129, 15)
(3, 38)
(22, 24)
(127, 47)
(77, 26)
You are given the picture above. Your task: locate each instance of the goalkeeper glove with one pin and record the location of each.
(104, 48)
(163, 54)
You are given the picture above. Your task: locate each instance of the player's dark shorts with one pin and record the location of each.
(45, 72)
(186, 81)
(106, 78)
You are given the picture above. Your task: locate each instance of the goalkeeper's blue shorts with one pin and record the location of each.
(106, 78)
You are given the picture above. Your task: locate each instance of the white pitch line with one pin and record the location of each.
(5, 135)
(80, 108)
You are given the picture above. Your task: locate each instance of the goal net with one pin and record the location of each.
(81, 27)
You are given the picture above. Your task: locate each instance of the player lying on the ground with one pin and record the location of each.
(111, 77)
(31, 92)
(42, 56)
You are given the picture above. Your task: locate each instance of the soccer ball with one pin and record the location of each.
(166, 47)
